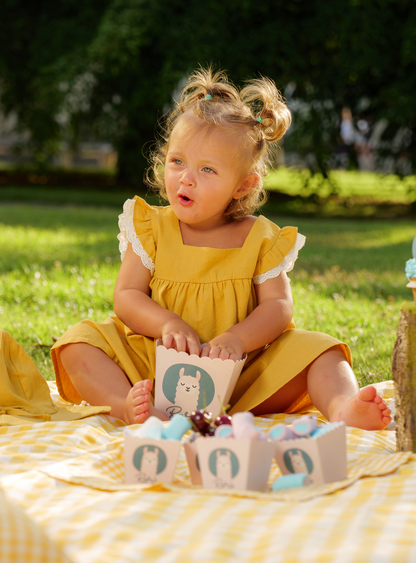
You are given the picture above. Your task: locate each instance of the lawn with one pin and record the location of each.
(293, 192)
(348, 184)
(58, 265)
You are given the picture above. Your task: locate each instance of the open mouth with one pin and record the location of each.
(185, 200)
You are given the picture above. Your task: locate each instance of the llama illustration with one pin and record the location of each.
(298, 462)
(187, 392)
(223, 469)
(149, 463)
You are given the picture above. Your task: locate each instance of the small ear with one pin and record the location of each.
(250, 181)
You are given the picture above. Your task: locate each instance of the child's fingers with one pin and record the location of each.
(193, 346)
(218, 352)
(168, 341)
(205, 351)
(228, 354)
(181, 343)
(215, 352)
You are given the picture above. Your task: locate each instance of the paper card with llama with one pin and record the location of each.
(147, 461)
(185, 383)
(234, 464)
(323, 458)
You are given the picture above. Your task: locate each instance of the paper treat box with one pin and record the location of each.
(324, 458)
(193, 461)
(231, 464)
(147, 460)
(185, 383)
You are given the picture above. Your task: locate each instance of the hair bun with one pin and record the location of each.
(266, 101)
(203, 83)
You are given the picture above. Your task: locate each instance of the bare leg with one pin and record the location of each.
(100, 381)
(285, 396)
(334, 391)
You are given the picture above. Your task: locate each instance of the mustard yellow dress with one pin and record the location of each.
(211, 289)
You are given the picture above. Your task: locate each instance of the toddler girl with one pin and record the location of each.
(205, 270)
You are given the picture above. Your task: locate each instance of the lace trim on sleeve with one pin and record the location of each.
(128, 234)
(285, 266)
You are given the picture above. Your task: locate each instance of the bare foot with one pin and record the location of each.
(138, 403)
(365, 410)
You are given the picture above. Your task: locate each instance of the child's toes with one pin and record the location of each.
(383, 406)
(140, 418)
(369, 394)
(141, 408)
(386, 419)
(379, 400)
(386, 414)
(147, 384)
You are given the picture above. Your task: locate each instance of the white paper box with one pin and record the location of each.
(185, 383)
(323, 458)
(231, 464)
(148, 461)
(193, 461)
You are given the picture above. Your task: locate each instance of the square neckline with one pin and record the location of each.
(179, 233)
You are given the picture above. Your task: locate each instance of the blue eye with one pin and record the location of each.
(207, 169)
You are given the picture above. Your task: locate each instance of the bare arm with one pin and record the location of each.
(136, 309)
(268, 320)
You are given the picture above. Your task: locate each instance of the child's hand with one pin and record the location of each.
(226, 346)
(179, 335)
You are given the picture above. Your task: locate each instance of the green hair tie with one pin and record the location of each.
(259, 119)
(208, 97)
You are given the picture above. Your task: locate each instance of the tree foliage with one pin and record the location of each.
(108, 68)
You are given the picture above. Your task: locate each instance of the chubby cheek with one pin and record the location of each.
(170, 184)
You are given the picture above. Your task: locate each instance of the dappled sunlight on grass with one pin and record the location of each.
(292, 181)
(375, 248)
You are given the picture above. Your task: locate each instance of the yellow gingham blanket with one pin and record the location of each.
(68, 478)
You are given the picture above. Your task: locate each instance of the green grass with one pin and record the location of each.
(58, 265)
(349, 184)
(359, 194)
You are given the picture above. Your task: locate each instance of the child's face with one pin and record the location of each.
(204, 171)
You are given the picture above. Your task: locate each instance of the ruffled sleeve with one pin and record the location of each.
(278, 253)
(135, 225)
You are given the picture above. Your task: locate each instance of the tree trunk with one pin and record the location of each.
(404, 376)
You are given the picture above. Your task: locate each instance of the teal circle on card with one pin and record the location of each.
(146, 456)
(180, 373)
(223, 460)
(297, 461)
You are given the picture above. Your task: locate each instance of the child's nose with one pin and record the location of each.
(188, 178)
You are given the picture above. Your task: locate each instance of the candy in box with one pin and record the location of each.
(234, 464)
(321, 455)
(185, 382)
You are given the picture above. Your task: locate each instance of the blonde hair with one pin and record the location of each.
(258, 111)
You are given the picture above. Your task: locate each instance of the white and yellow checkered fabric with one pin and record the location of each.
(22, 540)
(68, 477)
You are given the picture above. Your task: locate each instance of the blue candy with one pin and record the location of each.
(177, 427)
(291, 481)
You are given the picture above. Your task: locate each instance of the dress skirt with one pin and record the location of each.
(266, 371)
